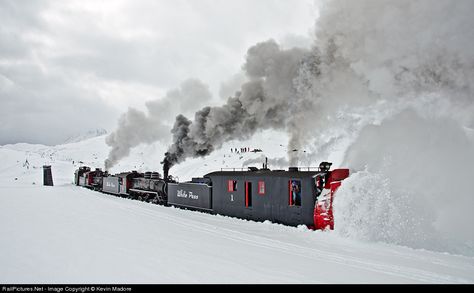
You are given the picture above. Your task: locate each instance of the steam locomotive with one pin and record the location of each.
(297, 196)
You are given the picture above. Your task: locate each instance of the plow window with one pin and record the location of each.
(261, 187)
(294, 187)
(231, 185)
(248, 194)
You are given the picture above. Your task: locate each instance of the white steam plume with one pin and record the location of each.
(136, 127)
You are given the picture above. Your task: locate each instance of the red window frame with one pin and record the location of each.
(289, 193)
(230, 185)
(261, 187)
(246, 194)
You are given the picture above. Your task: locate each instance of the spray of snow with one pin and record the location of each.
(413, 187)
(396, 87)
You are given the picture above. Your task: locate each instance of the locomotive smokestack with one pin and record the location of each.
(166, 168)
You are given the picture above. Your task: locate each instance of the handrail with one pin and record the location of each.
(233, 169)
(309, 169)
(247, 169)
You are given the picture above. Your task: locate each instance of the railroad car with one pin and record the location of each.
(297, 196)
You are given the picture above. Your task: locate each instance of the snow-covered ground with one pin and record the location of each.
(68, 234)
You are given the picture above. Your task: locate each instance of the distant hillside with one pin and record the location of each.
(85, 135)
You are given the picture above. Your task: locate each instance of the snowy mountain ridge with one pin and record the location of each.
(85, 135)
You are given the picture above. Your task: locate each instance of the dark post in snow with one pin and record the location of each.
(47, 176)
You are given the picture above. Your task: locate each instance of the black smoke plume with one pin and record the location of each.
(269, 99)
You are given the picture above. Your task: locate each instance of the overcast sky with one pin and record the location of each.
(70, 66)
